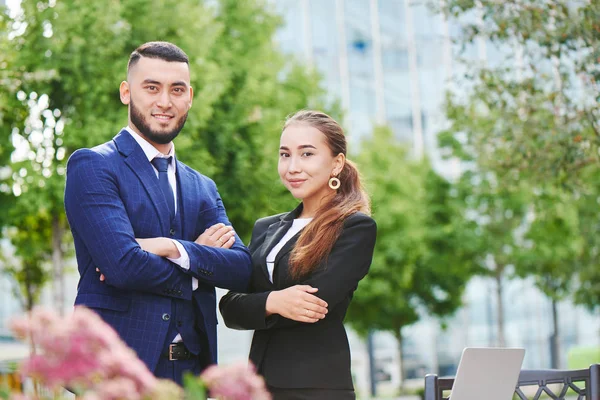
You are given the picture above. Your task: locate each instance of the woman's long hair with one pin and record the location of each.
(317, 239)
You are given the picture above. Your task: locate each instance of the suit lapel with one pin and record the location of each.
(275, 232)
(287, 247)
(136, 160)
(190, 201)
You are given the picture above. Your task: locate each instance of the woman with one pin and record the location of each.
(306, 265)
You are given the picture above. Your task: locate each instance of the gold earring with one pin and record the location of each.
(334, 183)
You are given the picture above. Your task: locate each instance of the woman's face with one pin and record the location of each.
(306, 163)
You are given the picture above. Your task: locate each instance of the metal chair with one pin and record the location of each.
(584, 382)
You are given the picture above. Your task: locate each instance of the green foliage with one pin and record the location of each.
(451, 244)
(585, 269)
(498, 210)
(552, 245)
(30, 234)
(583, 357)
(194, 387)
(420, 260)
(536, 111)
(4, 392)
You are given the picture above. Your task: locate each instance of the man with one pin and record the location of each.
(132, 188)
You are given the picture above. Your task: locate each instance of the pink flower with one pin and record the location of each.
(166, 390)
(238, 381)
(119, 388)
(83, 352)
(91, 396)
(20, 327)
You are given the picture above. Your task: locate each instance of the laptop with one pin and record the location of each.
(487, 373)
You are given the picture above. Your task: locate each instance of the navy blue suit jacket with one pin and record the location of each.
(112, 196)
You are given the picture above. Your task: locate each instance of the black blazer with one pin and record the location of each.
(291, 354)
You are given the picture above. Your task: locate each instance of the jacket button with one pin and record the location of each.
(179, 324)
(166, 317)
(171, 231)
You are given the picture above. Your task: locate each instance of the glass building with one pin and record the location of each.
(385, 62)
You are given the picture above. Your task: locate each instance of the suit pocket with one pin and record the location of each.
(97, 300)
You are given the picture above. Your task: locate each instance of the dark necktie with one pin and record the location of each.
(162, 164)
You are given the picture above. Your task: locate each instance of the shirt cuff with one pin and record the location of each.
(183, 261)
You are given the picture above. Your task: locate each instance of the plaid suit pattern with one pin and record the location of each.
(112, 196)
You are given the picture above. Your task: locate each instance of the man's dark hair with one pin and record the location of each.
(162, 50)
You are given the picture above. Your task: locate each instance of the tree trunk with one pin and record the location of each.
(490, 319)
(400, 358)
(554, 338)
(58, 273)
(501, 340)
(372, 367)
(29, 288)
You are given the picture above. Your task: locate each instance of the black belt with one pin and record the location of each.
(177, 351)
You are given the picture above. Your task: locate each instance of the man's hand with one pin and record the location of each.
(297, 303)
(161, 246)
(102, 278)
(218, 235)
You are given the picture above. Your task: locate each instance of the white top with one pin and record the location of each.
(296, 227)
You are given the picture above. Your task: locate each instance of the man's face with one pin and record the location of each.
(159, 96)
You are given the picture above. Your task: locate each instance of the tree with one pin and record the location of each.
(586, 272)
(499, 211)
(422, 255)
(531, 119)
(551, 252)
(62, 63)
(29, 266)
(31, 242)
(536, 112)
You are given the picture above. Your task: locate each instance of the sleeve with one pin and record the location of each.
(98, 216)
(183, 261)
(336, 278)
(224, 268)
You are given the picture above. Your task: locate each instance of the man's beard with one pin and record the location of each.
(138, 120)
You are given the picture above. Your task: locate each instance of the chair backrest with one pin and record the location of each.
(584, 382)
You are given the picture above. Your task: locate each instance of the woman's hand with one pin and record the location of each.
(297, 303)
(218, 235)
